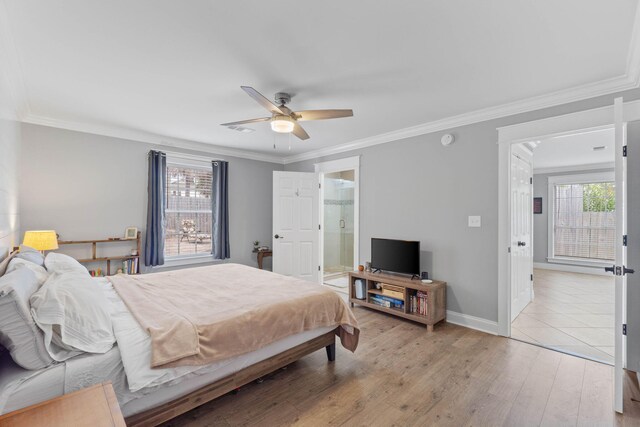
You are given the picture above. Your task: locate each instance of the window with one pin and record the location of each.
(583, 217)
(188, 212)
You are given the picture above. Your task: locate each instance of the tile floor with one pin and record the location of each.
(338, 282)
(571, 312)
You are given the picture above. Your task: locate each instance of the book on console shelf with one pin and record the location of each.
(394, 301)
(418, 303)
(385, 301)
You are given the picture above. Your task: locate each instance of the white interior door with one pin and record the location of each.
(521, 230)
(620, 268)
(296, 225)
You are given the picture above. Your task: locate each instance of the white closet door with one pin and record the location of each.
(296, 224)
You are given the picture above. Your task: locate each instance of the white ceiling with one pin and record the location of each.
(575, 150)
(174, 68)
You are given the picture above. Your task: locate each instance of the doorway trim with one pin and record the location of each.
(581, 121)
(339, 165)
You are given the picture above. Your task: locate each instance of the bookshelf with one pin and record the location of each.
(107, 259)
(433, 296)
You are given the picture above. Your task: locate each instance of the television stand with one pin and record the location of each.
(402, 289)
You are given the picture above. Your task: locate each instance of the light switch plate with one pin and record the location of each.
(475, 221)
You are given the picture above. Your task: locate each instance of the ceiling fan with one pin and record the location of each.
(283, 119)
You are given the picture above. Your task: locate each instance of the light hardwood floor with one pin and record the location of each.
(571, 312)
(401, 375)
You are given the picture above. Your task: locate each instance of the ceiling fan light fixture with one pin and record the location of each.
(282, 124)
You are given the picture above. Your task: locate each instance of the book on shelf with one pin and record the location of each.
(379, 301)
(130, 266)
(394, 301)
(418, 303)
(385, 301)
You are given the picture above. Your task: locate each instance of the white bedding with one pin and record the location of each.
(20, 387)
(125, 364)
(74, 314)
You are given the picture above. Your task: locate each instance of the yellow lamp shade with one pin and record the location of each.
(41, 240)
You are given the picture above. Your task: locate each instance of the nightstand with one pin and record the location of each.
(95, 406)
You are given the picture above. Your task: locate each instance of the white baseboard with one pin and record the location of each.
(599, 271)
(472, 322)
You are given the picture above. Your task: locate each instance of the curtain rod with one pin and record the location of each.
(187, 156)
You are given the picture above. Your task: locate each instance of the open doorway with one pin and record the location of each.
(569, 303)
(338, 230)
(339, 221)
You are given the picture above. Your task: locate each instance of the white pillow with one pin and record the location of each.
(30, 254)
(74, 314)
(39, 271)
(61, 263)
(18, 332)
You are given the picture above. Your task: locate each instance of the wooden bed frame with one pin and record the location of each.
(170, 410)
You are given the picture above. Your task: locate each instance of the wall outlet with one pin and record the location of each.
(475, 221)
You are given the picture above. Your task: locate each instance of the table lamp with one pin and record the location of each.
(41, 240)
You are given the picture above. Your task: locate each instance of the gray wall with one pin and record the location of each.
(417, 189)
(9, 206)
(541, 222)
(87, 186)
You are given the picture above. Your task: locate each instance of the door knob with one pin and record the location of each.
(626, 270)
(278, 237)
(611, 269)
(520, 243)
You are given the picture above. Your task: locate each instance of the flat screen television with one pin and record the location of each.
(398, 256)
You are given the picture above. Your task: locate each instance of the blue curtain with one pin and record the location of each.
(220, 208)
(157, 195)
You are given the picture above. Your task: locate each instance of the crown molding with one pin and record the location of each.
(591, 90)
(574, 168)
(150, 138)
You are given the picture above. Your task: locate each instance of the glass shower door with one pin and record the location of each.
(338, 226)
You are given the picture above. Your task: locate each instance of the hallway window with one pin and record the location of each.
(583, 217)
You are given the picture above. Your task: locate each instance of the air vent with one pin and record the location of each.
(241, 129)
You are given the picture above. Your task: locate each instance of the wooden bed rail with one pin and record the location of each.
(170, 410)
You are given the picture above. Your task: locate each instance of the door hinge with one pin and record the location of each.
(624, 240)
(531, 180)
(509, 249)
(624, 329)
(318, 268)
(624, 151)
(319, 227)
(532, 277)
(319, 185)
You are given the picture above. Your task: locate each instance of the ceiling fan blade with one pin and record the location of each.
(322, 114)
(260, 99)
(300, 132)
(244, 122)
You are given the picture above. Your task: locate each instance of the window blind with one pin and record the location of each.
(188, 211)
(584, 221)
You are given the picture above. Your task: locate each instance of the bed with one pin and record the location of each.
(149, 396)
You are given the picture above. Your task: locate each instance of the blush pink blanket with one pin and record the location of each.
(200, 315)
